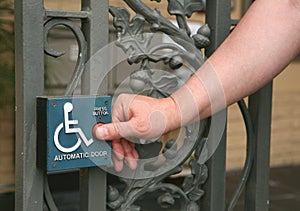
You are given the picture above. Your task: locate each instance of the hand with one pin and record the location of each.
(136, 116)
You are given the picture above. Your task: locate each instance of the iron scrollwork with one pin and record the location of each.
(185, 50)
(82, 46)
(75, 79)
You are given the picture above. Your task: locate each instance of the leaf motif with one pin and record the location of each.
(166, 83)
(196, 194)
(131, 37)
(188, 182)
(184, 7)
(203, 174)
(193, 206)
(121, 18)
(137, 24)
(166, 200)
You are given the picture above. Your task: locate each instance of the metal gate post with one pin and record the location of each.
(218, 19)
(260, 108)
(29, 66)
(246, 4)
(95, 28)
(257, 189)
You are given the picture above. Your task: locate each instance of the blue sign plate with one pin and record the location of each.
(66, 125)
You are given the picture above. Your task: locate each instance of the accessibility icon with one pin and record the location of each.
(65, 139)
(68, 107)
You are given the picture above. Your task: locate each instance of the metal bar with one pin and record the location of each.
(214, 198)
(95, 28)
(218, 19)
(260, 107)
(29, 66)
(67, 14)
(246, 4)
(257, 189)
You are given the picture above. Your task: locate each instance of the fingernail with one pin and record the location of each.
(132, 163)
(119, 156)
(100, 131)
(118, 165)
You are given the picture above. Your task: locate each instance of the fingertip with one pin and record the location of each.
(132, 163)
(135, 154)
(118, 164)
(100, 131)
(118, 152)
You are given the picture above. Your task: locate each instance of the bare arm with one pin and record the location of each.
(259, 48)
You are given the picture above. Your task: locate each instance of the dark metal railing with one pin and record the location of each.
(205, 184)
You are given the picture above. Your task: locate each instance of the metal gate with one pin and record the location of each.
(32, 22)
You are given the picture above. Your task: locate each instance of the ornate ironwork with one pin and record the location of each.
(185, 51)
(133, 39)
(76, 77)
(82, 55)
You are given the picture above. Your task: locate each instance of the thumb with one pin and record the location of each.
(106, 131)
(113, 131)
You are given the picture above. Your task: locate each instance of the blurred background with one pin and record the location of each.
(285, 137)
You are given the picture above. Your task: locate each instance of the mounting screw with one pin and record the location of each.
(53, 164)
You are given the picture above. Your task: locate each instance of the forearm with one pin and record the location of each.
(263, 43)
(259, 48)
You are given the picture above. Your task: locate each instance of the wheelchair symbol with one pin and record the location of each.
(68, 107)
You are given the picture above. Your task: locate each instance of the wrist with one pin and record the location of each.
(172, 113)
(188, 105)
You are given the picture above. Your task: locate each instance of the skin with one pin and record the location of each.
(265, 41)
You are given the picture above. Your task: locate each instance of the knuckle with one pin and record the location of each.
(142, 126)
(295, 4)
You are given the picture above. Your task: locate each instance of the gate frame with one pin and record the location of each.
(29, 67)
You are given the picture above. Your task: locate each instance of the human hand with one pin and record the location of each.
(136, 116)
